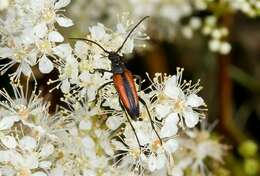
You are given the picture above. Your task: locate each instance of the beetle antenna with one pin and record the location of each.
(132, 30)
(91, 41)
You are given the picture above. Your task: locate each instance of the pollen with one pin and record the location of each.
(19, 55)
(48, 15)
(24, 172)
(23, 112)
(45, 46)
(179, 106)
(135, 153)
(156, 144)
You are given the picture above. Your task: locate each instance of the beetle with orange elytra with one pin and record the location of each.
(124, 83)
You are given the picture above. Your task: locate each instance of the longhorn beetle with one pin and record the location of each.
(123, 81)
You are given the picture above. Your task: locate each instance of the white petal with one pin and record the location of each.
(120, 28)
(91, 93)
(113, 122)
(97, 32)
(194, 100)
(28, 36)
(65, 86)
(160, 161)
(191, 118)
(32, 57)
(47, 149)
(128, 47)
(4, 156)
(118, 145)
(170, 125)
(64, 22)
(61, 4)
(176, 171)
(81, 49)
(3, 5)
(88, 143)
(26, 69)
(152, 163)
(30, 161)
(171, 145)
(45, 164)
(58, 171)
(16, 158)
(7, 122)
(9, 141)
(162, 110)
(8, 171)
(37, 4)
(85, 125)
(63, 50)
(171, 89)
(40, 30)
(55, 36)
(38, 174)
(27, 143)
(85, 77)
(6, 52)
(89, 172)
(45, 65)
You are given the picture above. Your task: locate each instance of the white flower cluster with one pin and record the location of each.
(28, 34)
(93, 135)
(174, 106)
(249, 7)
(85, 139)
(28, 135)
(76, 65)
(169, 18)
(197, 146)
(209, 28)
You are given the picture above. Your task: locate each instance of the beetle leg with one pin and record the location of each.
(103, 55)
(100, 70)
(102, 104)
(132, 126)
(101, 87)
(139, 81)
(150, 117)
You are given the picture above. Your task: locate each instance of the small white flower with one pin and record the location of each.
(225, 48)
(214, 45)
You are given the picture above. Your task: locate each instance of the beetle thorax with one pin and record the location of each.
(118, 65)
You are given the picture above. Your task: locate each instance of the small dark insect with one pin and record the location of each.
(123, 81)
